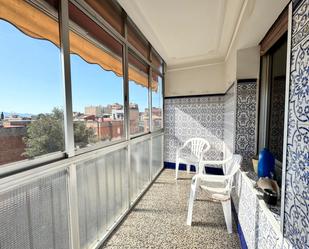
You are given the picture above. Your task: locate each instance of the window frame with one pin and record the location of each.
(153, 129)
(25, 164)
(62, 17)
(131, 136)
(83, 33)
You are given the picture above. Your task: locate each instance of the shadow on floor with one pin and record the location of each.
(159, 219)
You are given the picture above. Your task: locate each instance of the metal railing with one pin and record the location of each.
(77, 202)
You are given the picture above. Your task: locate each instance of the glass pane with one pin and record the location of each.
(31, 102)
(157, 102)
(111, 201)
(100, 197)
(277, 100)
(87, 183)
(36, 214)
(140, 168)
(102, 210)
(138, 92)
(97, 82)
(124, 181)
(157, 152)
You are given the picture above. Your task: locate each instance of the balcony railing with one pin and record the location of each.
(76, 203)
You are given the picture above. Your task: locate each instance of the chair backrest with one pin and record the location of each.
(231, 167)
(197, 146)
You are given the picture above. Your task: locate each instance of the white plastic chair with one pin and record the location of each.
(217, 187)
(191, 153)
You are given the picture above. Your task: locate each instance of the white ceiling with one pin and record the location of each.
(198, 32)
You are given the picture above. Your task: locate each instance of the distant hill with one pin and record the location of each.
(24, 115)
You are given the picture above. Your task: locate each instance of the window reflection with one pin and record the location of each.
(157, 102)
(97, 82)
(31, 104)
(138, 93)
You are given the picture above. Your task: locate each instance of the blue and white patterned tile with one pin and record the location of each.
(247, 209)
(194, 117)
(267, 236)
(246, 118)
(296, 210)
(258, 224)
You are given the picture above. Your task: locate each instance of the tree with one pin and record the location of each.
(45, 134)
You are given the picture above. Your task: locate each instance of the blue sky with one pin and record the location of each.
(31, 81)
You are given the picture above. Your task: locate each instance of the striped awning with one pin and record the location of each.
(37, 24)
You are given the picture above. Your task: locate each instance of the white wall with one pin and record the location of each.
(195, 81)
(248, 63)
(242, 61)
(216, 78)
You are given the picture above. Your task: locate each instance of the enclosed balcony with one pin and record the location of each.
(154, 124)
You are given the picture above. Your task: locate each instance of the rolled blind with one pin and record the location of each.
(137, 40)
(109, 11)
(156, 61)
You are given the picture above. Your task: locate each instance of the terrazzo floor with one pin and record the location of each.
(159, 219)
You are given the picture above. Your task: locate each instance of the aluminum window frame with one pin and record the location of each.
(148, 94)
(286, 115)
(62, 17)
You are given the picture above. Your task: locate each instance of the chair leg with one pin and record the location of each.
(188, 168)
(227, 210)
(197, 185)
(191, 200)
(176, 169)
(196, 169)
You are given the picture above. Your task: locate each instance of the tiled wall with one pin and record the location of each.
(296, 208)
(214, 118)
(194, 117)
(260, 227)
(246, 118)
(205, 117)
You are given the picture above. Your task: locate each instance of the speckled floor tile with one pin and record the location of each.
(159, 219)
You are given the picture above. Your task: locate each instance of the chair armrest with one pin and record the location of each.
(212, 178)
(178, 151)
(215, 162)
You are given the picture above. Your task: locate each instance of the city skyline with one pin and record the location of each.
(8, 114)
(40, 83)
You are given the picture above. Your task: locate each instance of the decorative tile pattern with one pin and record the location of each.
(259, 225)
(267, 236)
(229, 120)
(247, 206)
(246, 115)
(194, 117)
(296, 210)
